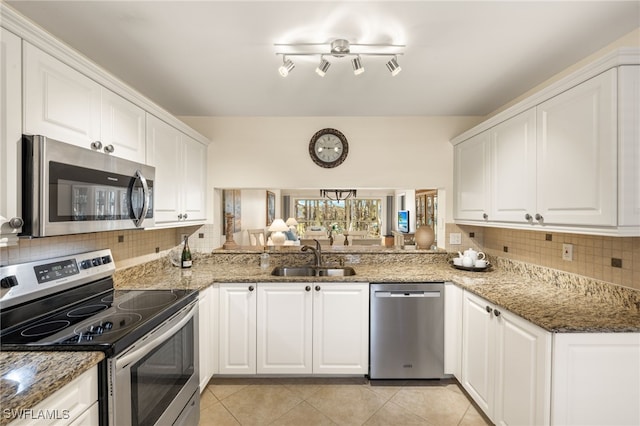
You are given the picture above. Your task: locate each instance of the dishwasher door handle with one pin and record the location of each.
(382, 294)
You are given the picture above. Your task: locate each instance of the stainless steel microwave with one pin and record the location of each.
(72, 190)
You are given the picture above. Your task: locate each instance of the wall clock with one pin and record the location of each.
(328, 148)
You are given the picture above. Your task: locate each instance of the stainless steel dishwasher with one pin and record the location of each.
(406, 331)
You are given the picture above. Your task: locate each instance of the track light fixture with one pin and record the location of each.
(286, 67)
(393, 66)
(339, 48)
(323, 67)
(357, 65)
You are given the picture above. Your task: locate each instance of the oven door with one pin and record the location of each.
(153, 382)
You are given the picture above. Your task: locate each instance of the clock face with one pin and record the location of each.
(328, 148)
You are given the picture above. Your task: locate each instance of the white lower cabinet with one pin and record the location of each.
(208, 333)
(76, 403)
(453, 330)
(596, 379)
(237, 333)
(294, 328)
(506, 364)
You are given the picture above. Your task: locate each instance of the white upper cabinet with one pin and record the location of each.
(513, 168)
(577, 154)
(181, 174)
(629, 143)
(569, 163)
(11, 133)
(63, 104)
(472, 178)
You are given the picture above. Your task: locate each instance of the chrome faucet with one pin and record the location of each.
(317, 252)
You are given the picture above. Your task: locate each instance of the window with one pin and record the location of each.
(361, 214)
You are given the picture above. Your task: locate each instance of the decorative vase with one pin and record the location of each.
(229, 243)
(424, 237)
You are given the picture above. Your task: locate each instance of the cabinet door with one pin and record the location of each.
(596, 379)
(284, 324)
(478, 342)
(195, 180)
(523, 372)
(59, 102)
(237, 316)
(11, 133)
(472, 178)
(629, 155)
(341, 328)
(208, 357)
(164, 152)
(123, 127)
(513, 168)
(577, 154)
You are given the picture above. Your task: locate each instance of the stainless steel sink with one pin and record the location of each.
(313, 271)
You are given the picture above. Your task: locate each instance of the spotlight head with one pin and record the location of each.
(393, 66)
(322, 68)
(286, 67)
(357, 66)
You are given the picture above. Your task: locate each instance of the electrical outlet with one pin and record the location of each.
(182, 237)
(455, 238)
(567, 252)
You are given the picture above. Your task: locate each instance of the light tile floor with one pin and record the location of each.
(320, 401)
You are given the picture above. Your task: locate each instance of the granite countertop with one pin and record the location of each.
(552, 302)
(27, 378)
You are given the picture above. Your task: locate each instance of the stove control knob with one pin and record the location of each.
(107, 325)
(97, 261)
(85, 264)
(8, 282)
(106, 259)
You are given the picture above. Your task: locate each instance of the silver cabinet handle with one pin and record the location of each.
(250, 288)
(97, 145)
(488, 309)
(180, 216)
(307, 288)
(539, 217)
(485, 216)
(317, 288)
(184, 216)
(528, 217)
(109, 149)
(497, 313)
(16, 222)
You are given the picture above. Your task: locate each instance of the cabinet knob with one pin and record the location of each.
(317, 288)
(497, 312)
(539, 217)
(180, 216)
(485, 216)
(97, 145)
(528, 217)
(16, 222)
(308, 288)
(184, 216)
(109, 149)
(250, 288)
(488, 308)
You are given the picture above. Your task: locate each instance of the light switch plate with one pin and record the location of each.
(455, 238)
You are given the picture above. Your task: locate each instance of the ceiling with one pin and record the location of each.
(217, 58)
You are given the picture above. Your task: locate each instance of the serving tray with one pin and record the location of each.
(471, 268)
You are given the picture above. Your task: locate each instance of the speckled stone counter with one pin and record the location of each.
(551, 299)
(27, 378)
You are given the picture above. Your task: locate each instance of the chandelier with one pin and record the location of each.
(338, 48)
(338, 194)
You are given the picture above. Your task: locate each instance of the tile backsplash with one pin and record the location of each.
(128, 247)
(612, 259)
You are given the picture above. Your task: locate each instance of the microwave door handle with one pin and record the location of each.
(145, 199)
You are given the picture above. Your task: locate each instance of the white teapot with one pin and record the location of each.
(469, 257)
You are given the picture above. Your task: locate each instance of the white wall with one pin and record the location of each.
(384, 152)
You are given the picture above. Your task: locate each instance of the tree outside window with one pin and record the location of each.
(361, 214)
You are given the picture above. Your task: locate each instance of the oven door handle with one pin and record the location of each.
(145, 199)
(154, 341)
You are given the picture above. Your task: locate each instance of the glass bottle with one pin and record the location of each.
(186, 254)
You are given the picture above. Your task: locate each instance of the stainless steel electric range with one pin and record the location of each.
(149, 337)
